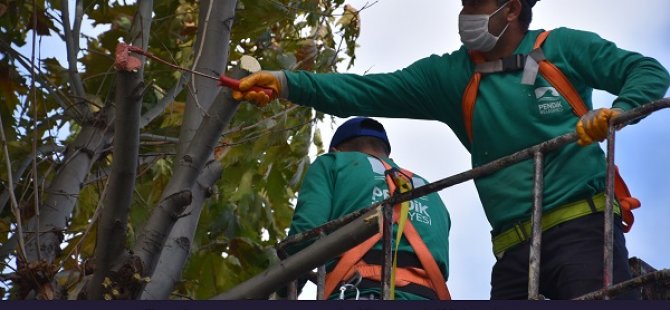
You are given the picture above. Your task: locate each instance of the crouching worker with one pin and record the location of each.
(356, 173)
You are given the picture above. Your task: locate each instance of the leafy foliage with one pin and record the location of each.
(263, 152)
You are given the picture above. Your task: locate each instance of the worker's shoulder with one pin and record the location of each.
(333, 158)
(570, 34)
(459, 54)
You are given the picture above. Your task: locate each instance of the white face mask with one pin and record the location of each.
(474, 31)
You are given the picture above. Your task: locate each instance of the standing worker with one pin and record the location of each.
(356, 173)
(506, 89)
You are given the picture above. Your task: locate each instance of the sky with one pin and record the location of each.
(396, 33)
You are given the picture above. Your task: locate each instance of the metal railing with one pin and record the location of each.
(339, 235)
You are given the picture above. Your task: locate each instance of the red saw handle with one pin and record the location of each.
(235, 84)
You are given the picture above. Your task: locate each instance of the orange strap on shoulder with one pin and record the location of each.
(557, 79)
(470, 94)
(427, 261)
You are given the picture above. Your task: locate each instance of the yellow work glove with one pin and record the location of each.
(593, 126)
(265, 79)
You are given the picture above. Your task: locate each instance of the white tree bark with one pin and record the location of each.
(162, 219)
(215, 24)
(178, 246)
(61, 195)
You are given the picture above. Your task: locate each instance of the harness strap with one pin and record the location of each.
(558, 80)
(506, 64)
(470, 94)
(352, 259)
(425, 257)
(346, 264)
(404, 276)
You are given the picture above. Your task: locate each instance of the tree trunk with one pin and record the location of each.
(62, 193)
(154, 234)
(178, 246)
(212, 45)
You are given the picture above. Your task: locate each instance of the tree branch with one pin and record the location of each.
(39, 76)
(212, 44)
(44, 149)
(163, 217)
(159, 108)
(61, 195)
(110, 239)
(197, 140)
(15, 204)
(72, 47)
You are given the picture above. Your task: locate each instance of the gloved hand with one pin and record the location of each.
(593, 126)
(267, 79)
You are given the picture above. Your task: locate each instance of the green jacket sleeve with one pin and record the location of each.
(314, 199)
(313, 208)
(414, 92)
(634, 78)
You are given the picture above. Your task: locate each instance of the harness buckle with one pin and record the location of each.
(521, 232)
(514, 62)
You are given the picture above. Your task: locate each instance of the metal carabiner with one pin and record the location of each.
(352, 284)
(346, 287)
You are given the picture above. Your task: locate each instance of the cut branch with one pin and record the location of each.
(111, 236)
(110, 239)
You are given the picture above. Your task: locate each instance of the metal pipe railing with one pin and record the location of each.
(608, 242)
(536, 238)
(316, 254)
(537, 152)
(652, 277)
(483, 170)
(321, 278)
(387, 246)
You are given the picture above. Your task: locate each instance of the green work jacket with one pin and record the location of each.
(508, 116)
(340, 183)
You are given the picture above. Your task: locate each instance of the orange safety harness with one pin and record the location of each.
(559, 81)
(352, 261)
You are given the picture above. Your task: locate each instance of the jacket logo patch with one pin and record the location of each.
(548, 100)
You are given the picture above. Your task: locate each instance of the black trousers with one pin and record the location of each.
(571, 262)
